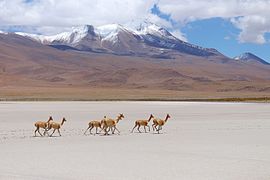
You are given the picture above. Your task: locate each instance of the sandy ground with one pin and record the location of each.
(36, 93)
(202, 141)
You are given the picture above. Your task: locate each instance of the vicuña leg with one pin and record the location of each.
(148, 128)
(153, 127)
(37, 130)
(52, 132)
(134, 128)
(86, 130)
(45, 132)
(159, 128)
(59, 132)
(115, 128)
(105, 129)
(90, 130)
(139, 129)
(156, 127)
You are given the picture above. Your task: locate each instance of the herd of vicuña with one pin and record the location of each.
(106, 125)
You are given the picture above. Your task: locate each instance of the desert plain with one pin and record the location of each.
(201, 141)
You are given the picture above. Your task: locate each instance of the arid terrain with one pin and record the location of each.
(134, 90)
(201, 141)
(30, 70)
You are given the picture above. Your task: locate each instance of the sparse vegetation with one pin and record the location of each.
(121, 94)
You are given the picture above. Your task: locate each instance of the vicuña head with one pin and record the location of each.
(64, 120)
(121, 115)
(167, 117)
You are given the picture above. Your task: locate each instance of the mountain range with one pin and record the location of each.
(147, 40)
(118, 60)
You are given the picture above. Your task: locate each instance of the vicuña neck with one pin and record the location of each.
(118, 119)
(167, 117)
(149, 118)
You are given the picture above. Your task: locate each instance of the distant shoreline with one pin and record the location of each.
(250, 99)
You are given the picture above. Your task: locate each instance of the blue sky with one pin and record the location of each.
(232, 26)
(222, 35)
(218, 33)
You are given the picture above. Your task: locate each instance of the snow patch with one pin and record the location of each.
(72, 37)
(2, 32)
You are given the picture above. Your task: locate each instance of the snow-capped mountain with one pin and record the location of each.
(71, 38)
(249, 57)
(147, 39)
(156, 36)
(144, 39)
(40, 61)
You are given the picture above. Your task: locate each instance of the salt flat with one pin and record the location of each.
(202, 141)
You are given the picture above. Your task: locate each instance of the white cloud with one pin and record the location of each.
(66, 13)
(51, 16)
(254, 21)
(253, 28)
(179, 35)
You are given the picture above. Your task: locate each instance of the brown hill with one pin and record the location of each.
(29, 69)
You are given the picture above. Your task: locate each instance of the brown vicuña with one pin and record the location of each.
(159, 123)
(95, 123)
(111, 124)
(42, 124)
(143, 123)
(56, 126)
